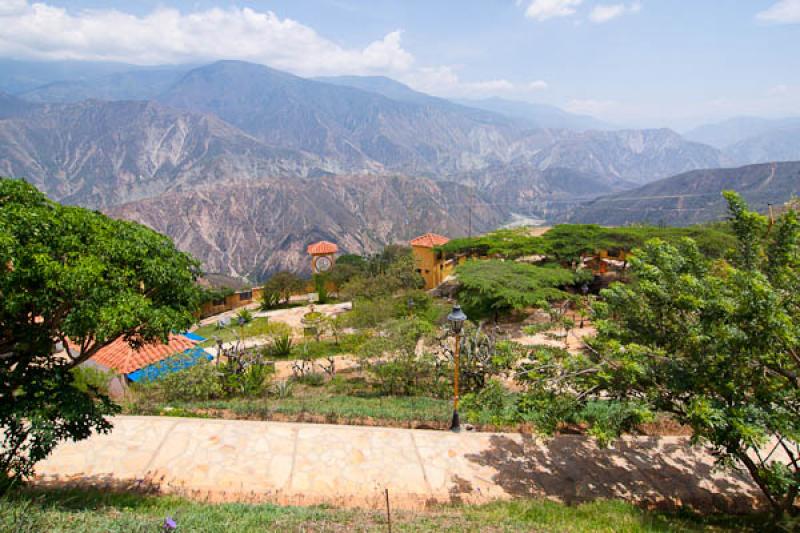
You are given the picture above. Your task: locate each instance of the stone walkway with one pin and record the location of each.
(350, 466)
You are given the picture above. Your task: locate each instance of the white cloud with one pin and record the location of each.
(167, 36)
(538, 85)
(782, 12)
(42, 31)
(605, 12)
(547, 9)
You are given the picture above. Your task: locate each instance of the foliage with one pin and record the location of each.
(282, 389)
(347, 267)
(508, 243)
(199, 382)
(482, 356)
(312, 379)
(567, 243)
(493, 404)
(280, 346)
(488, 288)
(69, 272)
(244, 316)
(279, 288)
(91, 380)
(386, 273)
(713, 343)
(321, 288)
(259, 327)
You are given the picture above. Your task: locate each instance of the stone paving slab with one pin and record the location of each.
(350, 466)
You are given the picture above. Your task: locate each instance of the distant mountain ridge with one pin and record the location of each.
(539, 115)
(250, 230)
(694, 196)
(102, 153)
(232, 126)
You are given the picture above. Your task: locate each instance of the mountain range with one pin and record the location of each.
(196, 152)
(694, 196)
(252, 229)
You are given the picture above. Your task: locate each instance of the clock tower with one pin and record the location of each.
(323, 256)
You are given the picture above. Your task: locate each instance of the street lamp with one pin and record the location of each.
(456, 319)
(410, 305)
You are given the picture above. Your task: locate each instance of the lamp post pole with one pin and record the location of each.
(456, 319)
(455, 424)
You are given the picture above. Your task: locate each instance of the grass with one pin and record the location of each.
(258, 327)
(324, 406)
(94, 511)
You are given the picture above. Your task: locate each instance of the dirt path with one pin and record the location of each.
(233, 460)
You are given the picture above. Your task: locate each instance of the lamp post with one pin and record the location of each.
(456, 319)
(410, 305)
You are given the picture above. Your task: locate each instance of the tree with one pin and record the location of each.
(279, 289)
(490, 287)
(715, 343)
(79, 278)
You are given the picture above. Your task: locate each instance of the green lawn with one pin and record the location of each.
(90, 511)
(333, 408)
(258, 327)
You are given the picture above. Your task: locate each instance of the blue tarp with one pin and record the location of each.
(193, 336)
(186, 359)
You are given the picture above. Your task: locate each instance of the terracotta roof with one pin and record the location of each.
(429, 240)
(120, 357)
(322, 247)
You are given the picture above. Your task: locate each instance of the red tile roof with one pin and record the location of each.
(123, 359)
(322, 247)
(429, 240)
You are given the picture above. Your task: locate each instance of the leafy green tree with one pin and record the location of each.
(714, 343)
(279, 289)
(491, 287)
(76, 277)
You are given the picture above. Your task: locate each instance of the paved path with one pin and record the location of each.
(225, 460)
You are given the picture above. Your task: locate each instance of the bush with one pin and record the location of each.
(90, 380)
(282, 389)
(280, 347)
(493, 404)
(200, 382)
(279, 288)
(312, 379)
(244, 316)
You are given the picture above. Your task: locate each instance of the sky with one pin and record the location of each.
(640, 63)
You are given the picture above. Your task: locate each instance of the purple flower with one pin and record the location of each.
(170, 524)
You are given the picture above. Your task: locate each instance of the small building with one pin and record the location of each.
(149, 361)
(323, 256)
(430, 264)
(233, 293)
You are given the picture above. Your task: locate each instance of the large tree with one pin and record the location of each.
(78, 278)
(715, 343)
(491, 287)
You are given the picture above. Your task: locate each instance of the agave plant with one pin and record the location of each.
(281, 346)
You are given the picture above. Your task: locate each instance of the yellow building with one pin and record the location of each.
(432, 266)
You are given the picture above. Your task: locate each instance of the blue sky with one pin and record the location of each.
(645, 62)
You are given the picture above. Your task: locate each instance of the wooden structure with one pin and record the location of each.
(232, 301)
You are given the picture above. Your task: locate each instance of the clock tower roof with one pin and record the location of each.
(322, 248)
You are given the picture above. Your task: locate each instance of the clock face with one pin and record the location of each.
(323, 264)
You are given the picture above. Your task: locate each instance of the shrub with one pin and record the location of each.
(279, 288)
(493, 404)
(282, 389)
(281, 346)
(90, 380)
(200, 382)
(312, 379)
(244, 316)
